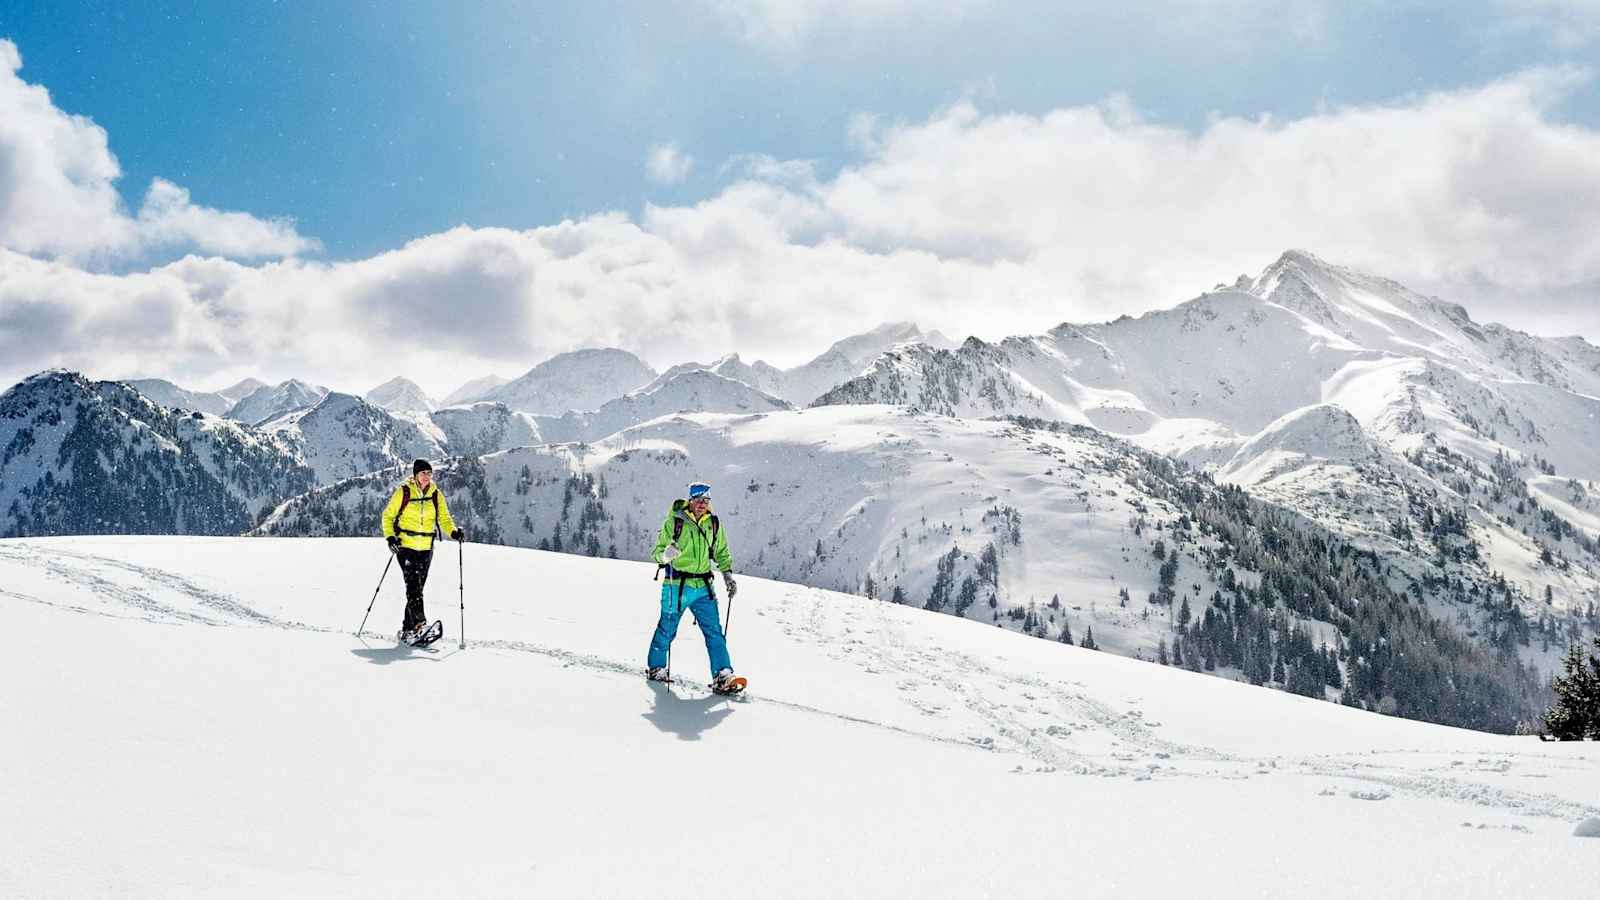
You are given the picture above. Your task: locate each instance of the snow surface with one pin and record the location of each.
(192, 717)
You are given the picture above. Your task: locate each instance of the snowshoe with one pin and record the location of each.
(658, 673)
(424, 634)
(727, 683)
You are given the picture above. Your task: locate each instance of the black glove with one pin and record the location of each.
(394, 542)
(730, 584)
(458, 535)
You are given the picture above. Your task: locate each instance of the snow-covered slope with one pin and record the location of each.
(763, 377)
(482, 428)
(848, 357)
(344, 435)
(400, 394)
(99, 457)
(1319, 434)
(192, 717)
(473, 390)
(580, 380)
(235, 393)
(687, 391)
(272, 401)
(1334, 362)
(168, 394)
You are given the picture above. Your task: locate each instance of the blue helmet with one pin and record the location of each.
(699, 490)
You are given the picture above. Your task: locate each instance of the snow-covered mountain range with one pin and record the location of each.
(85, 457)
(88, 458)
(686, 391)
(1347, 398)
(584, 380)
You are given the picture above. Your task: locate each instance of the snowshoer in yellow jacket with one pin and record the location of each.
(691, 539)
(414, 516)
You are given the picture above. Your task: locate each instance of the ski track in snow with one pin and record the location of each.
(1052, 725)
(1131, 747)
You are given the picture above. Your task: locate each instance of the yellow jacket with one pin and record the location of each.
(417, 521)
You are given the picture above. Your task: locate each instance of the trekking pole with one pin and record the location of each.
(461, 583)
(674, 632)
(729, 619)
(375, 592)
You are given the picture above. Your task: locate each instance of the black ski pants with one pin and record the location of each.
(414, 567)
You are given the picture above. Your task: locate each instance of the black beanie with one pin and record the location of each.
(420, 465)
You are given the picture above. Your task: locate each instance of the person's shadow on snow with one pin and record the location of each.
(686, 717)
(383, 656)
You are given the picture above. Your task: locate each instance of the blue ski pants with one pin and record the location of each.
(698, 600)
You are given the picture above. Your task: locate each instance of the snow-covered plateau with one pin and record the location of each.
(194, 717)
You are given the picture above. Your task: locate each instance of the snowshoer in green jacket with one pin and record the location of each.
(690, 541)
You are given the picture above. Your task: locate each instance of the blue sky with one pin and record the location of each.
(372, 123)
(350, 129)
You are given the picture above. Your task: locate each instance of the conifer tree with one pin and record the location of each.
(1575, 715)
(1088, 640)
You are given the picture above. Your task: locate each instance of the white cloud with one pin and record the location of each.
(57, 197)
(666, 164)
(970, 222)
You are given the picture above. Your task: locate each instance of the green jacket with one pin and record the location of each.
(695, 540)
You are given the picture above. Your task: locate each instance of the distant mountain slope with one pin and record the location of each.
(401, 395)
(473, 390)
(848, 357)
(168, 394)
(480, 428)
(580, 380)
(344, 435)
(237, 392)
(1342, 396)
(98, 457)
(272, 401)
(689, 391)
